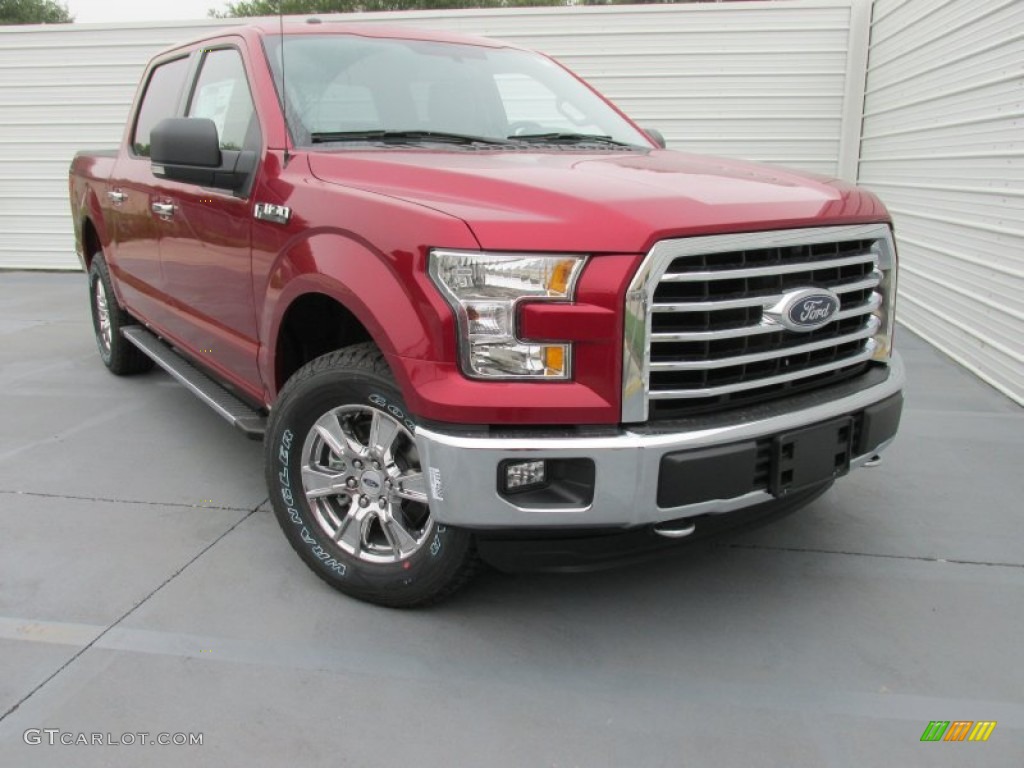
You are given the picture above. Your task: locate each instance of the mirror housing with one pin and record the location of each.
(187, 149)
(656, 136)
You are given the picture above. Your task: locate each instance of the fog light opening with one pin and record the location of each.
(551, 483)
(525, 475)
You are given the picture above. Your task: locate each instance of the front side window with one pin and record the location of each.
(163, 92)
(222, 95)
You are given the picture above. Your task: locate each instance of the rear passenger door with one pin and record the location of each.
(205, 248)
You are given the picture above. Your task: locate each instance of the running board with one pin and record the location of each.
(227, 405)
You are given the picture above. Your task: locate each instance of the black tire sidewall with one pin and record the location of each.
(408, 582)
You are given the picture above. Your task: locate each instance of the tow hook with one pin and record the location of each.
(675, 529)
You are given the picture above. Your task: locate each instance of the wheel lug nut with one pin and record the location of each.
(376, 465)
(351, 482)
(363, 501)
(357, 464)
(381, 502)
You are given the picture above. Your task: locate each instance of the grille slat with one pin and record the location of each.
(777, 269)
(682, 365)
(713, 308)
(760, 301)
(739, 386)
(874, 302)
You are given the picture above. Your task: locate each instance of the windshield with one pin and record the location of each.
(362, 89)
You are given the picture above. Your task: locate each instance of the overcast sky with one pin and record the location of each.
(103, 11)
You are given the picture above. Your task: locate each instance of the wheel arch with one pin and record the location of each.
(329, 279)
(313, 324)
(90, 226)
(91, 243)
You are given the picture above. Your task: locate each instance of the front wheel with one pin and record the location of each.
(348, 489)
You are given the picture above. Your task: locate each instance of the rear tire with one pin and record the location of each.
(347, 488)
(108, 318)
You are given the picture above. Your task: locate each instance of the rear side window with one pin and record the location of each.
(222, 94)
(159, 101)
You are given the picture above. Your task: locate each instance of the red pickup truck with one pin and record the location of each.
(474, 311)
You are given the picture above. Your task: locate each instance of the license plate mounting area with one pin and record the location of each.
(811, 455)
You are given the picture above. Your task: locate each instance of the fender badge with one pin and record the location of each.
(279, 214)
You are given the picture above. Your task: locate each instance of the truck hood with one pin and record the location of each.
(618, 202)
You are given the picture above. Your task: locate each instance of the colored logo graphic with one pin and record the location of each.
(958, 730)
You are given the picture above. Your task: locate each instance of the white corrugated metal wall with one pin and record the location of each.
(62, 88)
(943, 145)
(774, 81)
(941, 141)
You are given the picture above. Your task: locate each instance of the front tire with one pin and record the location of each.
(347, 487)
(108, 318)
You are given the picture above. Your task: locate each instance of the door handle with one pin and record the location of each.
(163, 210)
(116, 196)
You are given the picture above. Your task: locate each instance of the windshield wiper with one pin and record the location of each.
(569, 138)
(402, 136)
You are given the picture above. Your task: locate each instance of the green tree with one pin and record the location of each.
(34, 12)
(273, 7)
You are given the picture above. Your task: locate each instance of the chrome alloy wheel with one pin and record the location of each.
(102, 316)
(361, 476)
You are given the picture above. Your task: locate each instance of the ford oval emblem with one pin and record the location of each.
(806, 309)
(371, 482)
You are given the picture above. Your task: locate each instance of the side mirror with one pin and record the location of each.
(656, 136)
(187, 149)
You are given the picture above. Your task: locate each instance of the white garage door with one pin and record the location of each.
(943, 145)
(762, 80)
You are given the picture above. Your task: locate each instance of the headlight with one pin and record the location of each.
(483, 290)
(885, 250)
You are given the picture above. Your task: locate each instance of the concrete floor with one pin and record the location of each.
(145, 587)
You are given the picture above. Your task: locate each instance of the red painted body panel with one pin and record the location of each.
(207, 285)
(366, 251)
(590, 202)
(362, 225)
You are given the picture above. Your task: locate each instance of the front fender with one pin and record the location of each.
(388, 293)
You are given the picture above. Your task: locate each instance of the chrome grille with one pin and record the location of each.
(699, 334)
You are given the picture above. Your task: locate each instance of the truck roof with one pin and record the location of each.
(316, 25)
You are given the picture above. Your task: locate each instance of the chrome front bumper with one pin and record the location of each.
(462, 471)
